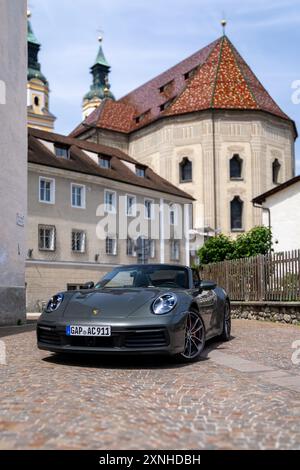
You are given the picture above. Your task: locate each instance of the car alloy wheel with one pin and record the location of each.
(194, 337)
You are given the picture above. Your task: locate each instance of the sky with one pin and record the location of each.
(144, 38)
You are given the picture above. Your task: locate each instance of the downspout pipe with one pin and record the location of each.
(214, 171)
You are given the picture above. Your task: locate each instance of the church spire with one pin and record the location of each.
(30, 34)
(34, 67)
(100, 59)
(100, 88)
(38, 114)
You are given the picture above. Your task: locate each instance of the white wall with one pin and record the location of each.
(285, 218)
(13, 159)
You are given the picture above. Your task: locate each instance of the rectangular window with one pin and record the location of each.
(110, 201)
(62, 151)
(140, 171)
(186, 170)
(148, 208)
(47, 238)
(104, 162)
(173, 214)
(130, 247)
(78, 241)
(111, 246)
(236, 214)
(130, 205)
(47, 190)
(78, 195)
(175, 250)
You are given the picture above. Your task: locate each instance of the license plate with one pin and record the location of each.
(79, 330)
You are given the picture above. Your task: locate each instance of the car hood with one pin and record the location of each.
(104, 304)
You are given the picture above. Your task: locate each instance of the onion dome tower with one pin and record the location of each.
(38, 114)
(100, 88)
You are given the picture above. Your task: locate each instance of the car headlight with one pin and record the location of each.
(164, 304)
(54, 302)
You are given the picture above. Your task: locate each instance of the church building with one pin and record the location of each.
(208, 126)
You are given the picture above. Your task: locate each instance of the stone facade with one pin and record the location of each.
(13, 150)
(210, 127)
(258, 138)
(279, 312)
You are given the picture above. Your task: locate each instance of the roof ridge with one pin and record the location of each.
(236, 54)
(217, 73)
(242, 73)
(191, 79)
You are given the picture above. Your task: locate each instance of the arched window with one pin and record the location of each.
(236, 166)
(36, 101)
(236, 213)
(186, 170)
(275, 171)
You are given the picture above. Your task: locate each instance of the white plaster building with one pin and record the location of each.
(280, 208)
(88, 207)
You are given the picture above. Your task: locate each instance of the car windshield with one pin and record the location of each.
(146, 276)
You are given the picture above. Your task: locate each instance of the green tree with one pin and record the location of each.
(216, 249)
(258, 241)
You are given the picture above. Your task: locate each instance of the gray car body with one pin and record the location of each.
(129, 310)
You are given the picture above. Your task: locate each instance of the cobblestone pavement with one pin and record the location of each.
(242, 394)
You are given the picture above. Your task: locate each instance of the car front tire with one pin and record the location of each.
(194, 340)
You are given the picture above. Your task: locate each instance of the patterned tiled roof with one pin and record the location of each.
(216, 77)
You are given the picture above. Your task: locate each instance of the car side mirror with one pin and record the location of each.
(89, 285)
(208, 285)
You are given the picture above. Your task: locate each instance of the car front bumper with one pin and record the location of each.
(164, 337)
